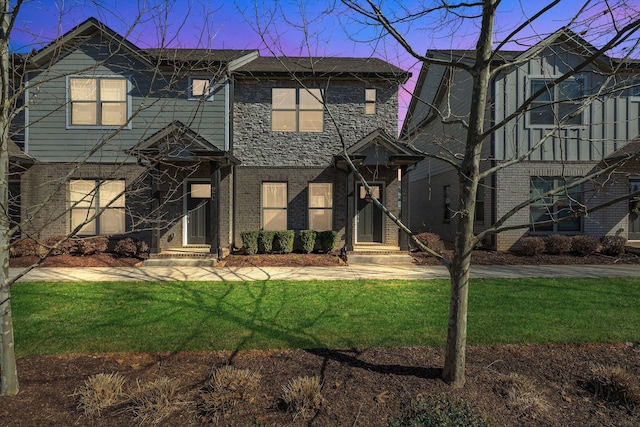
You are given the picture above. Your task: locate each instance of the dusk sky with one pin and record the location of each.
(332, 30)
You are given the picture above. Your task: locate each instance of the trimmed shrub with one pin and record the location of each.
(284, 241)
(557, 244)
(531, 246)
(432, 241)
(126, 247)
(308, 239)
(250, 241)
(613, 245)
(442, 411)
(61, 245)
(328, 240)
(585, 245)
(265, 241)
(142, 251)
(92, 245)
(24, 247)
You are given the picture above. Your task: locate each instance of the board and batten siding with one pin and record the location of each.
(608, 121)
(156, 99)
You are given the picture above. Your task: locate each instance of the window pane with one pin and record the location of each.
(83, 89)
(275, 219)
(320, 219)
(83, 113)
(82, 193)
(370, 95)
(109, 190)
(80, 215)
(370, 108)
(114, 113)
(541, 114)
(200, 191)
(112, 221)
(311, 121)
(567, 108)
(572, 89)
(284, 121)
(538, 84)
(113, 89)
(199, 87)
(283, 99)
(274, 194)
(310, 99)
(540, 214)
(320, 195)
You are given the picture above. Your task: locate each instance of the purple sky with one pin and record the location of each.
(234, 25)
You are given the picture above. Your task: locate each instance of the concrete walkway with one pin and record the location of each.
(229, 274)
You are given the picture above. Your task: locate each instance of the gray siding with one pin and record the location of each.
(156, 100)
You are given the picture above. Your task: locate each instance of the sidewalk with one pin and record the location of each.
(354, 272)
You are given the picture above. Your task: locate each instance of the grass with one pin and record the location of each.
(51, 318)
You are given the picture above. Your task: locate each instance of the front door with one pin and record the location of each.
(369, 217)
(634, 211)
(198, 212)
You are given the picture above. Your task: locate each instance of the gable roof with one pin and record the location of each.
(177, 142)
(323, 67)
(379, 148)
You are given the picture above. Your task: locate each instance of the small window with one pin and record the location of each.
(635, 88)
(320, 206)
(98, 101)
(446, 198)
(299, 110)
(556, 103)
(369, 101)
(200, 88)
(90, 197)
(274, 205)
(556, 207)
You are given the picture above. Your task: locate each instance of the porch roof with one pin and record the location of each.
(379, 148)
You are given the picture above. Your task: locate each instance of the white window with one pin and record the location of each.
(369, 101)
(98, 101)
(90, 197)
(556, 103)
(200, 88)
(297, 110)
(320, 206)
(274, 205)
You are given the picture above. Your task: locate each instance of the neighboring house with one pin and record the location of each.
(190, 147)
(581, 142)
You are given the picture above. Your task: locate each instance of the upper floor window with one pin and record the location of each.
(200, 88)
(98, 101)
(98, 203)
(274, 205)
(320, 206)
(556, 207)
(297, 110)
(369, 101)
(556, 103)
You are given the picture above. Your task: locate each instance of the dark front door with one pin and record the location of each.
(634, 211)
(198, 212)
(369, 217)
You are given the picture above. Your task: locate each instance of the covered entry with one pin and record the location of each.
(369, 218)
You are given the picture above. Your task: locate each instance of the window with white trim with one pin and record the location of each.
(88, 197)
(561, 205)
(98, 101)
(369, 101)
(200, 88)
(297, 110)
(274, 205)
(556, 103)
(320, 206)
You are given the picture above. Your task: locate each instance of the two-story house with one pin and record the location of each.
(567, 132)
(189, 147)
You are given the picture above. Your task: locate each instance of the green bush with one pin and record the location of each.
(265, 240)
(328, 240)
(430, 411)
(531, 246)
(250, 241)
(308, 239)
(557, 244)
(585, 245)
(284, 241)
(613, 245)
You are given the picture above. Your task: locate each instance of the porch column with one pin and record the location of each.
(350, 211)
(404, 208)
(214, 210)
(154, 244)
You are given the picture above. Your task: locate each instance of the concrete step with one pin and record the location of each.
(180, 262)
(386, 258)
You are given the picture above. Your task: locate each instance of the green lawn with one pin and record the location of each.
(104, 317)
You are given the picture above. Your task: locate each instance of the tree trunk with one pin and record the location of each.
(8, 370)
